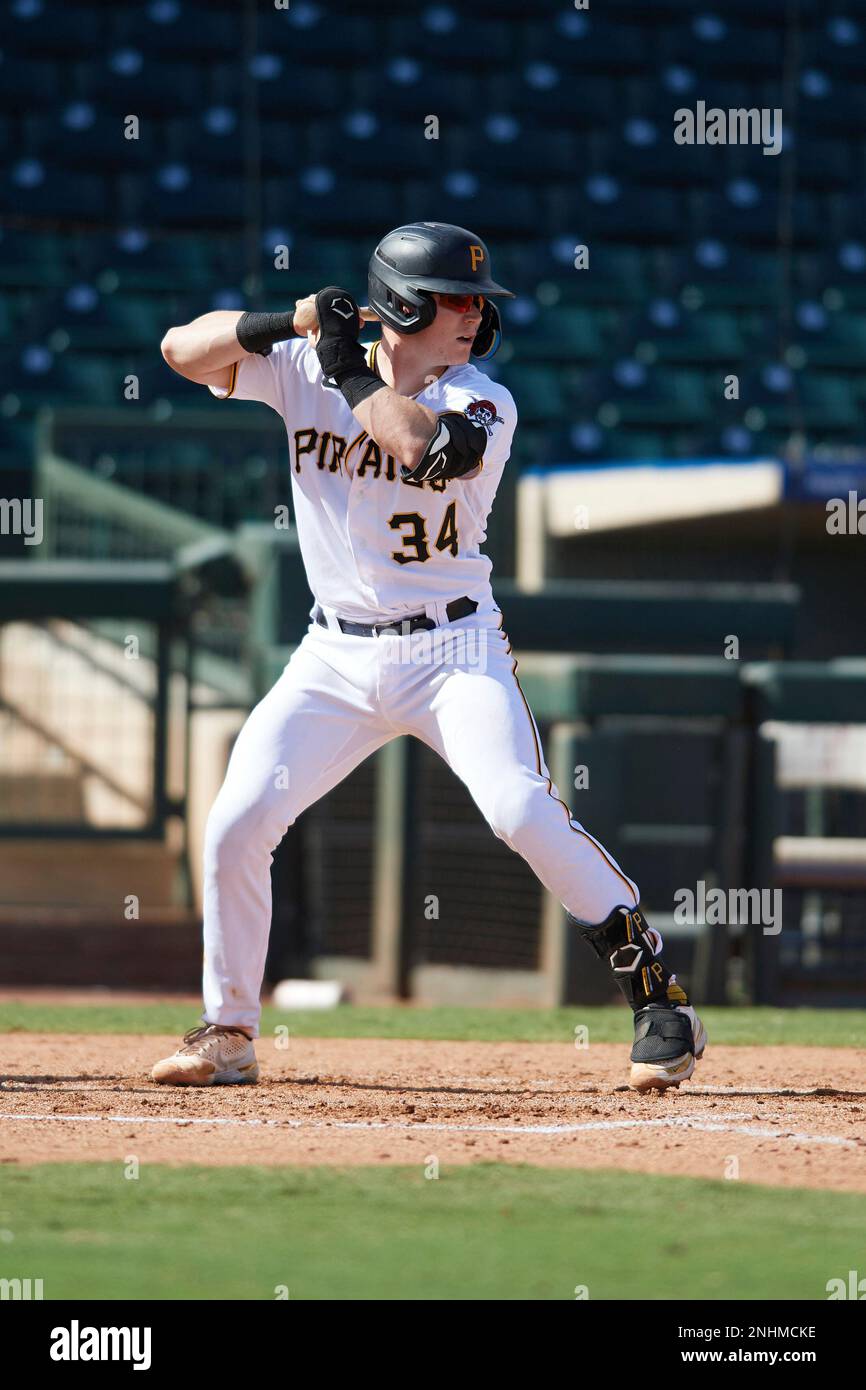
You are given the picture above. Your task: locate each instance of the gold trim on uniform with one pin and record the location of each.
(557, 799)
(233, 381)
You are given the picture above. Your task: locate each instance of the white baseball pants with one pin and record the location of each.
(339, 699)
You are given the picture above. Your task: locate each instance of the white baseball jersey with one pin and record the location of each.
(374, 546)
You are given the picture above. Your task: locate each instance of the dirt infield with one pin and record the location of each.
(785, 1116)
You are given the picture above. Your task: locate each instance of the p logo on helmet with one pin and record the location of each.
(414, 263)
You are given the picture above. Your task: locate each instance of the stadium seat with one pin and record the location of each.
(445, 35)
(354, 145)
(587, 42)
(713, 44)
(185, 198)
(38, 190)
(603, 209)
(131, 80)
(720, 274)
(538, 393)
(564, 334)
(615, 274)
(28, 82)
(827, 339)
(51, 27)
(840, 273)
(748, 212)
(169, 30)
(547, 93)
(82, 138)
(507, 207)
(402, 86)
(668, 333)
(335, 204)
(502, 145)
(304, 33)
(631, 394)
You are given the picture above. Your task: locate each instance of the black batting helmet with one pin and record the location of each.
(413, 263)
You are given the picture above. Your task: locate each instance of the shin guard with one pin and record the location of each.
(633, 952)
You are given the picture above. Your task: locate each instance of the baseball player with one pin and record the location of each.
(396, 450)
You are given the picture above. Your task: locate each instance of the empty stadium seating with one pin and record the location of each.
(555, 130)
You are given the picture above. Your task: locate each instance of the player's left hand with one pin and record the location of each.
(339, 325)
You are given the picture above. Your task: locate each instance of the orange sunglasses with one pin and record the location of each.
(461, 303)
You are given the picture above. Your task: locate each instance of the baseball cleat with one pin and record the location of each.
(667, 1043)
(211, 1055)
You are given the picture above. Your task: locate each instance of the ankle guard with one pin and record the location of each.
(633, 950)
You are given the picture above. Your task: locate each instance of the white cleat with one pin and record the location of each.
(210, 1055)
(666, 1048)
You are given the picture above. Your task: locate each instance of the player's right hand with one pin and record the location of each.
(306, 320)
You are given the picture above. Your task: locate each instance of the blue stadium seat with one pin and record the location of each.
(837, 43)
(212, 140)
(548, 93)
(716, 45)
(170, 28)
(404, 86)
(508, 208)
(828, 339)
(584, 441)
(451, 34)
(830, 106)
(29, 83)
(175, 195)
(666, 332)
(538, 393)
(603, 209)
(281, 90)
(78, 136)
(32, 258)
(643, 151)
(332, 204)
(749, 212)
(31, 188)
(720, 274)
(840, 273)
(824, 164)
(306, 32)
(356, 141)
(130, 80)
(630, 393)
(616, 275)
(587, 42)
(40, 27)
(565, 334)
(501, 144)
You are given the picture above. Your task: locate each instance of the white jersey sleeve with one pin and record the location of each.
(486, 403)
(265, 379)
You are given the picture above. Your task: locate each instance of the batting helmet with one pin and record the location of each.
(413, 263)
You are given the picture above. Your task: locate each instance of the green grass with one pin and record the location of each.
(487, 1232)
(762, 1027)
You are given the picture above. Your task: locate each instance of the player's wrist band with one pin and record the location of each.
(344, 365)
(360, 385)
(258, 332)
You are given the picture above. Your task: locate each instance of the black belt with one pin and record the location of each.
(457, 608)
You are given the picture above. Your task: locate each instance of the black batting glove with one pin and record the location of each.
(341, 357)
(338, 349)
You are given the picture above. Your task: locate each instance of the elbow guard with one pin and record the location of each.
(455, 448)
